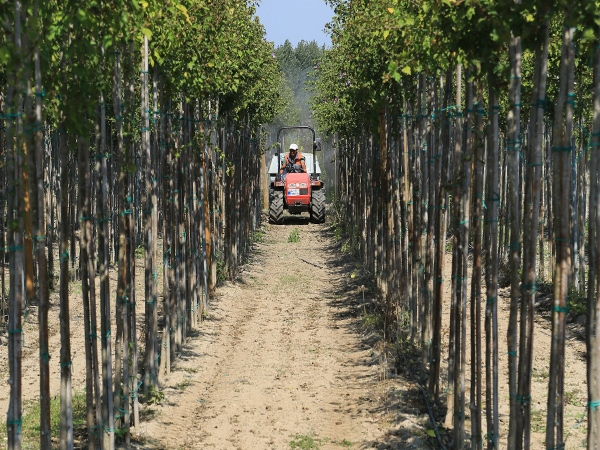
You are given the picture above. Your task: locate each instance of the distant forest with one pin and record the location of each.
(297, 65)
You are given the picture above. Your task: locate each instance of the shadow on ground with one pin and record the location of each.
(354, 296)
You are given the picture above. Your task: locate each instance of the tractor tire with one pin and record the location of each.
(317, 206)
(276, 207)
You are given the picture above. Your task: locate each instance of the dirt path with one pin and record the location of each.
(280, 362)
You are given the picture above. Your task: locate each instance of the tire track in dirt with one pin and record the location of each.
(279, 360)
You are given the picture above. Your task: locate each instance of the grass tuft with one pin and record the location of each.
(294, 236)
(304, 442)
(31, 420)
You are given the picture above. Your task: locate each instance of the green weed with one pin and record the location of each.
(221, 269)
(575, 398)
(290, 279)
(257, 237)
(294, 236)
(538, 421)
(577, 302)
(372, 320)
(154, 397)
(183, 385)
(76, 288)
(540, 374)
(30, 428)
(140, 251)
(304, 442)
(337, 233)
(544, 287)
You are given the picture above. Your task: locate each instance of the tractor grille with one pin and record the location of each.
(303, 191)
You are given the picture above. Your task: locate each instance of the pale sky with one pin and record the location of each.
(295, 20)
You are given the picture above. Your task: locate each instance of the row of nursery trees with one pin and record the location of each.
(476, 122)
(128, 128)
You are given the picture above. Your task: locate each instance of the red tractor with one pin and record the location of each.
(298, 190)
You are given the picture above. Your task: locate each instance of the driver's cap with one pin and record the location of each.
(293, 147)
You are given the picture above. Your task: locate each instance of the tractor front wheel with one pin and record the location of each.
(276, 207)
(317, 206)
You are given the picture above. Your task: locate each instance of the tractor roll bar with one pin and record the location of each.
(299, 127)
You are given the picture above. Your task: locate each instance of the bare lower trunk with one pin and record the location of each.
(477, 226)
(593, 300)
(491, 274)
(108, 433)
(514, 202)
(561, 161)
(41, 239)
(66, 406)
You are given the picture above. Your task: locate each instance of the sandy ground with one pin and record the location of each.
(285, 360)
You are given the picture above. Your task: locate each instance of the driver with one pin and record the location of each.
(294, 161)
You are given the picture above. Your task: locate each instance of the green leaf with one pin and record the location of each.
(406, 70)
(108, 40)
(588, 34)
(4, 55)
(183, 9)
(146, 32)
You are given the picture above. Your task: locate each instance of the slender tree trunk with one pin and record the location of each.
(593, 299)
(442, 171)
(530, 227)
(150, 211)
(479, 161)
(41, 239)
(464, 161)
(66, 403)
(121, 348)
(156, 212)
(491, 272)
(204, 229)
(103, 217)
(514, 201)
(561, 161)
(454, 413)
(387, 221)
(85, 245)
(15, 247)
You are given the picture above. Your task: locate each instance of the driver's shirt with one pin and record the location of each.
(299, 159)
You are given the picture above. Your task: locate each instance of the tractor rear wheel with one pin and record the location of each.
(317, 206)
(276, 207)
